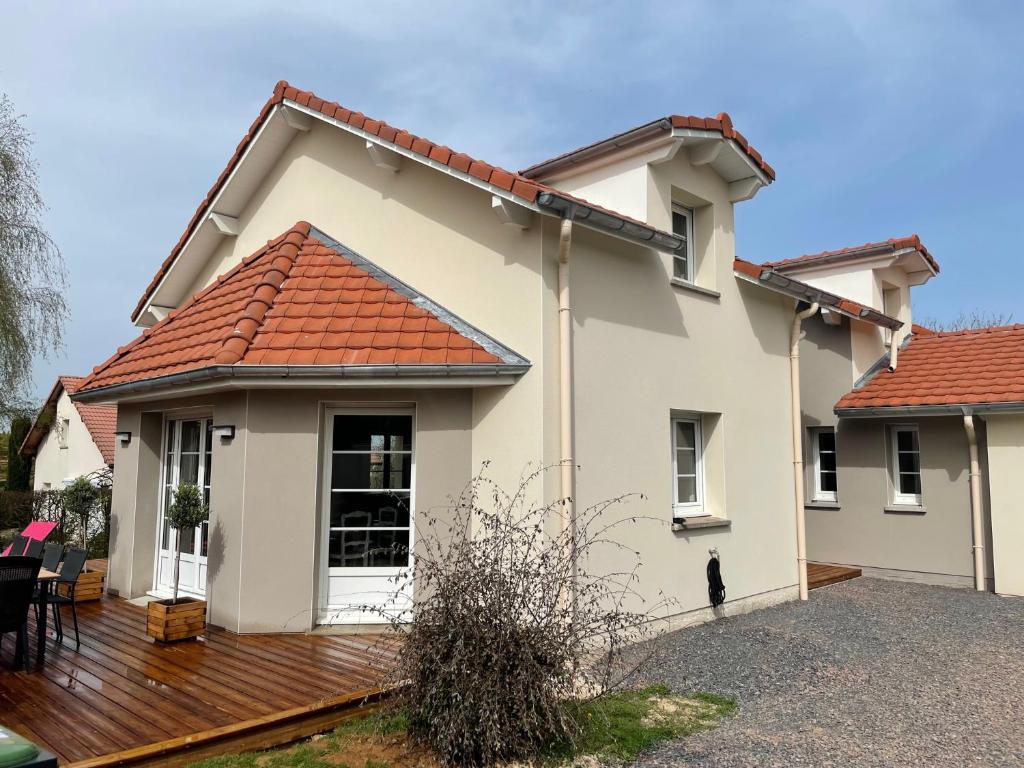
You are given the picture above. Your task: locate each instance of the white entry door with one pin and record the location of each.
(368, 526)
(187, 459)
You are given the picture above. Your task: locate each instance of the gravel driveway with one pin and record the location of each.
(866, 673)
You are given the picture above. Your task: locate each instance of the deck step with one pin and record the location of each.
(820, 575)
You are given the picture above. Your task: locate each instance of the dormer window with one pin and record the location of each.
(682, 226)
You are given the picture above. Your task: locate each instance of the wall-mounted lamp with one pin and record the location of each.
(224, 431)
(123, 437)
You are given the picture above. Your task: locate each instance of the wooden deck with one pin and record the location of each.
(122, 692)
(819, 575)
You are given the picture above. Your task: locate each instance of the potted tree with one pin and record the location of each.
(185, 617)
(81, 500)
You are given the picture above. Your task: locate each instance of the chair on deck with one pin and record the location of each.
(17, 546)
(52, 554)
(18, 576)
(34, 548)
(74, 562)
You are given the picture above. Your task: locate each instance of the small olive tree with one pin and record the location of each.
(186, 512)
(515, 620)
(80, 500)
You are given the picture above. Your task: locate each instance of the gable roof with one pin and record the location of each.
(892, 245)
(100, 420)
(945, 371)
(514, 186)
(720, 124)
(304, 305)
(775, 281)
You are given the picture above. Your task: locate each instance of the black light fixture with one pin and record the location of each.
(224, 431)
(123, 437)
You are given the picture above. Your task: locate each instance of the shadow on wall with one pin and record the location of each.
(216, 546)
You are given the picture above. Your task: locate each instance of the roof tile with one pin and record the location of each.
(297, 302)
(972, 367)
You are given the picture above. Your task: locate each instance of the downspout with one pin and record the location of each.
(894, 348)
(798, 444)
(565, 404)
(565, 457)
(976, 526)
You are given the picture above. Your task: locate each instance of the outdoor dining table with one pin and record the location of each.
(46, 579)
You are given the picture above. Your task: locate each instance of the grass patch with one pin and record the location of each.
(615, 729)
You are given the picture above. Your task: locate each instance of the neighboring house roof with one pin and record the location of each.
(100, 420)
(304, 305)
(868, 249)
(516, 186)
(965, 368)
(773, 280)
(720, 124)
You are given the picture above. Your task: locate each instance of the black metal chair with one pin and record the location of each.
(34, 548)
(18, 544)
(18, 576)
(74, 562)
(52, 553)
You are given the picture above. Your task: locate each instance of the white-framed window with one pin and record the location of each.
(682, 226)
(62, 433)
(687, 468)
(823, 449)
(905, 453)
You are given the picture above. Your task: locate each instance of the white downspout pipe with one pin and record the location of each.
(565, 457)
(894, 349)
(798, 444)
(976, 525)
(565, 405)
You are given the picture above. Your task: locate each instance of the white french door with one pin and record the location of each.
(187, 459)
(368, 515)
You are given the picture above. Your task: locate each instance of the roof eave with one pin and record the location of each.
(274, 376)
(951, 409)
(801, 291)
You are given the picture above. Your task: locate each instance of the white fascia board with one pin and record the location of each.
(212, 205)
(415, 156)
(651, 152)
(693, 133)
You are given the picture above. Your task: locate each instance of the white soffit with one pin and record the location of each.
(256, 161)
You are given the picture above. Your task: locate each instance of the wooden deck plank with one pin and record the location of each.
(821, 575)
(121, 698)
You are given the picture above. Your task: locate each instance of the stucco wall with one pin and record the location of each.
(263, 571)
(439, 235)
(1006, 492)
(644, 349)
(934, 545)
(54, 464)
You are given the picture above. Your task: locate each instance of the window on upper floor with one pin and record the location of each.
(682, 226)
(905, 464)
(891, 307)
(823, 449)
(687, 465)
(62, 432)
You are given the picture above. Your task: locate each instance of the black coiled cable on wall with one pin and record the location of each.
(716, 587)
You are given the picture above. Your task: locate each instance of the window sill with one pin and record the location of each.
(905, 509)
(813, 504)
(696, 523)
(687, 285)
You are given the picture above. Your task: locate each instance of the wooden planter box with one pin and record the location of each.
(88, 587)
(181, 621)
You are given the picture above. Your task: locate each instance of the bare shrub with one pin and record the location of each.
(510, 626)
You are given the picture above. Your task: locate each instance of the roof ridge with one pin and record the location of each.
(287, 250)
(970, 331)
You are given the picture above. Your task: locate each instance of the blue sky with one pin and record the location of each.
(882, 119)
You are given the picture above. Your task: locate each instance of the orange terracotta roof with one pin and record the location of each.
(721, 123)
(508, 181)
(303, 300)
(974, 367)
(100, 420)
(773, 280)
(893, 244)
